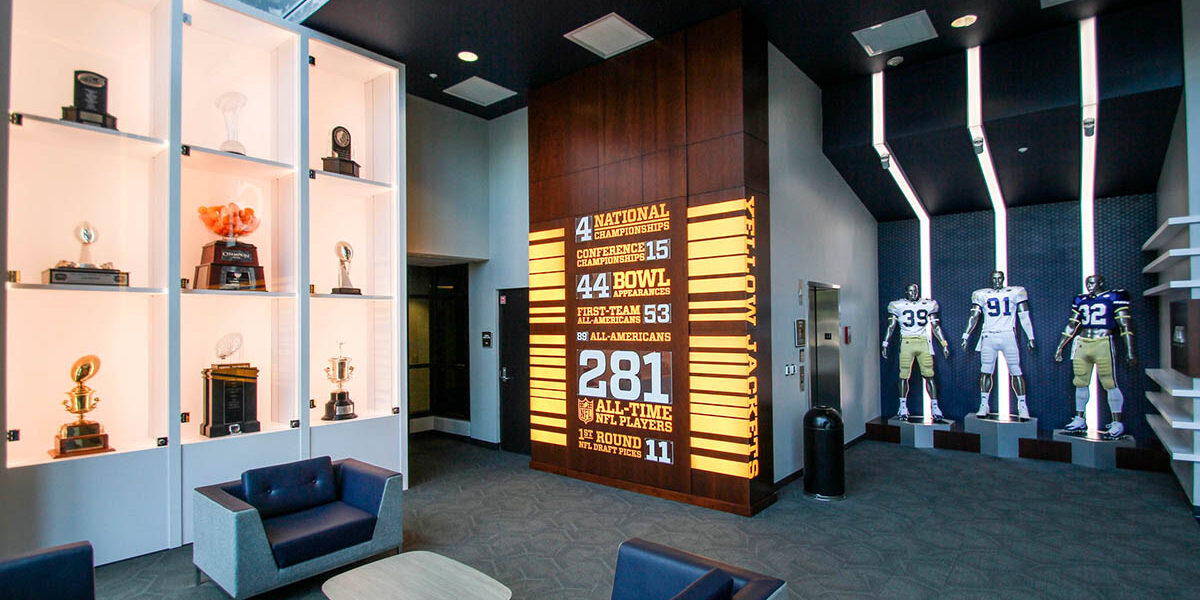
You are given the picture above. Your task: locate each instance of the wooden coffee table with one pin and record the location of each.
(416, 575)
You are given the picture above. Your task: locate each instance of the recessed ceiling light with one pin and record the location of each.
(433, 75)
(468, 56)
(1023, 149)
(895, 61)
(964, 21)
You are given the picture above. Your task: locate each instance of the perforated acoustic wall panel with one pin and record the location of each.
(1044, 251)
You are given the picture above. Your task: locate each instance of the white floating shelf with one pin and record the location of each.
(59, 133)
(1170, 258)
(316, 421)
(236, 293)
(191, 431)
(1174, 383)
(335, 185)
(1172, 286)
(1178, 442)
(351, 297)
(1166, 232)
(108, 289)
(227, 163)
(1177, 412)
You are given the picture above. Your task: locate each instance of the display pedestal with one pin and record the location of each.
(918, 434)
(1094, 453)
(1000, 438)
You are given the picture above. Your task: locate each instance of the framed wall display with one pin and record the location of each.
(801, 333)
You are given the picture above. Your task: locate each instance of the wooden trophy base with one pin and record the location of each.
(339, 407)
(87, 117)
(79, 439)
(341, 166)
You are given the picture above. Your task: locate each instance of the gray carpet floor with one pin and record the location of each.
(916, 524)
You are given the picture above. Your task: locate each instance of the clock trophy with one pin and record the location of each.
(229, 264)
(81, 436)
(339, 371)
(85, 271)
(230, 393)
(340, 162)
(230, 104)
(91, 101)
(345, 252)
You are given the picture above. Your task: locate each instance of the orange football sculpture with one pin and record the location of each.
(229, 220)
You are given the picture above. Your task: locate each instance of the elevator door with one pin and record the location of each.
(826, 347)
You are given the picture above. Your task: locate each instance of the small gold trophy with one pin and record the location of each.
(339, 371)
(82, 436)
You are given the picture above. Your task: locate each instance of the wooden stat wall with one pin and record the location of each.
(648, 261)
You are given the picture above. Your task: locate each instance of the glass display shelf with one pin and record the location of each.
(352, 297)
(56, 132)
(228, 163)
(127, 446)
(102, 289)
(191, 431)
(363, 415)
(335, 185)
(237, 293)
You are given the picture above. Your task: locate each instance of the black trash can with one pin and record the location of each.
(824, 454)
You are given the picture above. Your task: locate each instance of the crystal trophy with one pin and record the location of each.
(345, 252)
(85, 271)
(230, 104)
(229, 264)
(339, 371)
(91, 101)
(81, 436)
(340, 162)
(230, 393)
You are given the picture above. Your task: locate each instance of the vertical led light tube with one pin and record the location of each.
(1090, 90)
(999, 209)
(879, 142)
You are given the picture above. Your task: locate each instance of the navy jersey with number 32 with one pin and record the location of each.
(1100, 311)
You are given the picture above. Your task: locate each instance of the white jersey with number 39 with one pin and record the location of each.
(999, 307)
(913, 316)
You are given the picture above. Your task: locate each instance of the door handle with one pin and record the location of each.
(504, 378)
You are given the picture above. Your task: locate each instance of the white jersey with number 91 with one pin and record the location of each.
(913, 316)
(999, 307)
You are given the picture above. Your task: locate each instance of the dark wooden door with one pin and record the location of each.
(514, 370)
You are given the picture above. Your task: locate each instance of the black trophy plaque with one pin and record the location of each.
(91, 101)
(340, 162)
(83, 276)
(339, 407)
(225, 266)
(230, 400)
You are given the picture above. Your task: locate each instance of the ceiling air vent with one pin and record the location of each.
(897, 33)
(609, 36)
(480, 91)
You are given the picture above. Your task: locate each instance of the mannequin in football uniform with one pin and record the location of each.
(918, 319)
(996, 306)
(1095, 317)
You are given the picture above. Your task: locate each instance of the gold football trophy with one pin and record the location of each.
(82, 436)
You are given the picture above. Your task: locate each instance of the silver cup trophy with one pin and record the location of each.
(85, 271)
(339, 371)
(345, 252)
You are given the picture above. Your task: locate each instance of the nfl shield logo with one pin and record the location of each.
(587, 411)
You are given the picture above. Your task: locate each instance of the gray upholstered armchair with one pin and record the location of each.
(284, 523)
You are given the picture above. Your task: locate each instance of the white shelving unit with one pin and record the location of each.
(1178, 423)
(141, 187)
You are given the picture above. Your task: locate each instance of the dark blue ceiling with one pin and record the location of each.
(1030, 61)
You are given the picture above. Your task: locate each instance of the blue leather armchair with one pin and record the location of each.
(649, 571)
(62, 572)
(286, 522)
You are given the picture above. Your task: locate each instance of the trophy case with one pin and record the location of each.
(212, 104)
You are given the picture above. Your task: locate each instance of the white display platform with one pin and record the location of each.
(918, 434)
(1000, 438)
(1092, 452)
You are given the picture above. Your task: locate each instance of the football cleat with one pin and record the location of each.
(1114, 430)
(1077, 424)
(1022, 409)
(903, 413)
(983, 409)
(937, 412)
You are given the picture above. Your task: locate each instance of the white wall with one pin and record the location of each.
(820, 231)
(447, 182)
(1172, 197)
(508, 264)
